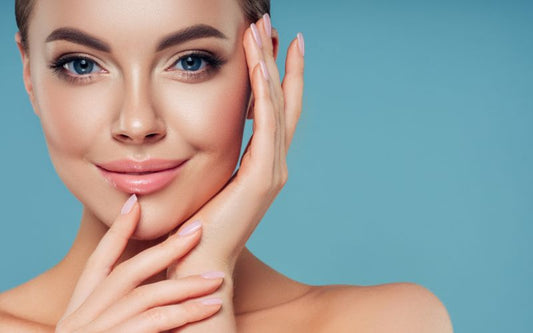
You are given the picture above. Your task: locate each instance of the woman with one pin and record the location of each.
(143, 106)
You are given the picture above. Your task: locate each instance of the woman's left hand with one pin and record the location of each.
(230, 217)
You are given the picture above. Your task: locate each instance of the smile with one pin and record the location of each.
(140, 177)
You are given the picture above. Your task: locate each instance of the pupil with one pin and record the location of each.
(83, 66)
(192, 63)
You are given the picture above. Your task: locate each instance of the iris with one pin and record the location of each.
(191, 63)
(80, 66)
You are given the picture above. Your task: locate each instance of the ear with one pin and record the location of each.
(275, 42)
(26, 74)
(275, 49)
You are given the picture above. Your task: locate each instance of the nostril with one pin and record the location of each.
(146, 138)
(154, 137)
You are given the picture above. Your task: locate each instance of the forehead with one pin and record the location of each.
(137, 21)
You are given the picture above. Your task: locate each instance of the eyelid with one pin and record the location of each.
(213, 62)
(58, 67)
(208, 57)
(59, 62)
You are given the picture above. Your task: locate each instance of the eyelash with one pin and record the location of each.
(212, 64)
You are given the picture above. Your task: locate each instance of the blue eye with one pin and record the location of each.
(191, 63)
(81, 66)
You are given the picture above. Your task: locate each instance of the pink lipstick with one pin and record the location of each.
(140, 177)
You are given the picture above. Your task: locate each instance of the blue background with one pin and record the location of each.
(413, 160)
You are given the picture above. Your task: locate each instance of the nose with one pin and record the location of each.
(138, 121)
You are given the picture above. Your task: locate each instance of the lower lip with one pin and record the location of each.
(141, 184)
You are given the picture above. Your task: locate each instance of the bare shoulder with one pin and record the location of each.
(394, 307)
(17, 306)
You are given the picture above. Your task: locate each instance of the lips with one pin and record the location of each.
(140, 177)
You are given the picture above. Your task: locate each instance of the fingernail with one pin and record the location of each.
(268, 24)
(214, 275)
(190, 229)
(264, 69)
(257, 37)
(211, 301)
(128, 205)
(301, 43)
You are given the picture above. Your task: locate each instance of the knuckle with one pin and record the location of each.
(192, 309)
(284, 177)
(94, 263)
(155, 316)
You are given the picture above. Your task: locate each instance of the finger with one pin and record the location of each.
(258, 47)
(265, 125)
(153, 295)
(252, 43)
(106, 254)
(132, 272)
(293, 85)
(266, 33)
(253, 55)
(169, 317)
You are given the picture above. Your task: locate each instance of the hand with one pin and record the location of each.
(230, 217)
(109, 299)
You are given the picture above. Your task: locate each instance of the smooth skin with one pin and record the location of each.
(108, 298)
(130, 280)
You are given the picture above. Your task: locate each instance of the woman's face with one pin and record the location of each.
(119, 80)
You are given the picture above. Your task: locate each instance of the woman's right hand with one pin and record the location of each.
(112, 299)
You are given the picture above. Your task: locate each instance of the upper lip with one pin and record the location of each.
(146, 166)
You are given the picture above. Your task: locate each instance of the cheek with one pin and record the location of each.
(73, 121)
(209, 116)
(72, 118)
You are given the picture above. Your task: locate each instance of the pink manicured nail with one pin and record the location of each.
(128, 205)
(213, 275)
(190, 229)
(211, 301)
(264, 69)
(268, 24)
(301, 43)
(257, 37)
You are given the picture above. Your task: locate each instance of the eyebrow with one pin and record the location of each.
(193, 32)
(181, 36)
(79, 37)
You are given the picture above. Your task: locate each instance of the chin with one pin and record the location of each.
(165, 211)
(160, 215)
